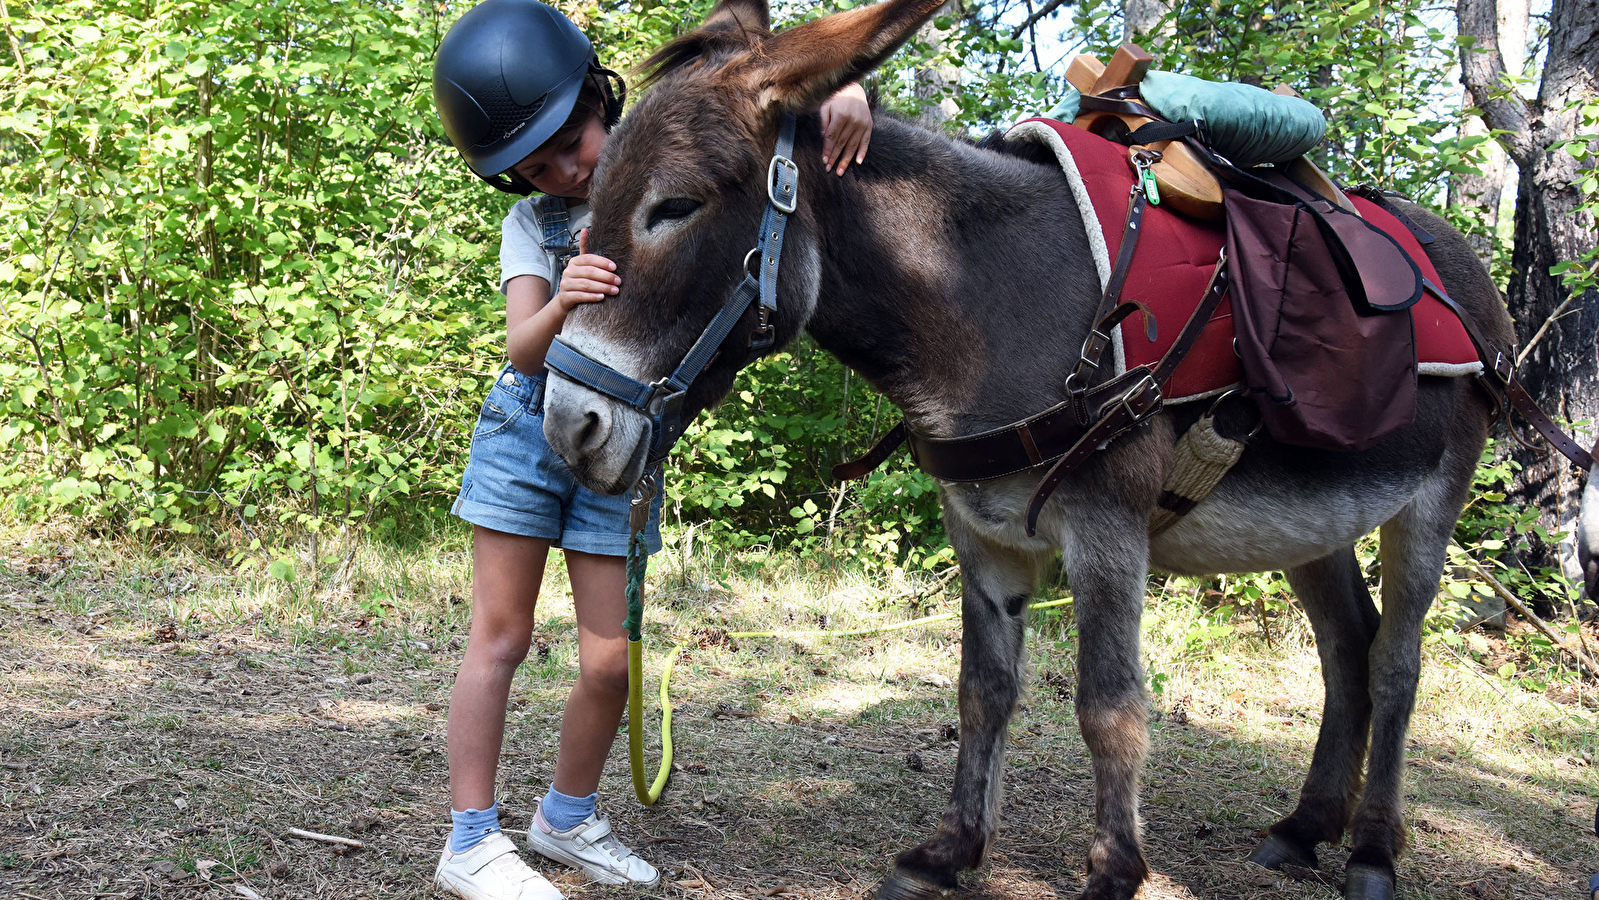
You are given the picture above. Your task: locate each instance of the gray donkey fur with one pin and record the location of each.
(1588, 536)
(960, 282)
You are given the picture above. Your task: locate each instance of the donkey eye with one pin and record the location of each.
(671, 210)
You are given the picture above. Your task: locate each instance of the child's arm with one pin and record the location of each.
(533, 318)
(846, 127)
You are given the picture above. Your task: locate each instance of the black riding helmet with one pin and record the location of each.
(505, 79)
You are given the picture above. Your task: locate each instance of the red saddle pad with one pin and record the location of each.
(1173, 264)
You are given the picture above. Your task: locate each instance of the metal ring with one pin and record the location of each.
(1228, 394)
(754, 252)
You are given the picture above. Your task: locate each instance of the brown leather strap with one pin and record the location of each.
(863, 465)
(1141, 402)
(1501, 366)
(1098, 339)
(1016, 447)
(1144, 401)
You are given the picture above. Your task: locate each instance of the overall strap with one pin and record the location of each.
(556, 222)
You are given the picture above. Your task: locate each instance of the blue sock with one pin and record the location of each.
(471, 827)
(563, 812)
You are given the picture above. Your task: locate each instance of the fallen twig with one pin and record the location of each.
(1515, 603)
(325, 838)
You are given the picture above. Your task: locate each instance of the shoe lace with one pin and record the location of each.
(513, 867)
(614, 847)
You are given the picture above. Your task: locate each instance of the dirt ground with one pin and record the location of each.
(149, 758)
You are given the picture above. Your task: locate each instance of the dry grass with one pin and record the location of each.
(164, 722)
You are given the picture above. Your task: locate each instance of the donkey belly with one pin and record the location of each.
(1244, 528)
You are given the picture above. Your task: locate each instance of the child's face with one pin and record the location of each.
(565, 165)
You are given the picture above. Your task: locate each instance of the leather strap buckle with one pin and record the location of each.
(1144, 400)
(1504, 368)
(1094, 347)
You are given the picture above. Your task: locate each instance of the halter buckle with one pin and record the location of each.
(789, 201)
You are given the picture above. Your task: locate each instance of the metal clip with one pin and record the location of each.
(763, 336)
(638, 511)
(789, 200)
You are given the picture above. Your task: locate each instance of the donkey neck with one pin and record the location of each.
(956, 279)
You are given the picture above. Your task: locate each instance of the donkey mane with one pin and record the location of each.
(682, 52)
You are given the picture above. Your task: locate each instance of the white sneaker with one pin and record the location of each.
(492, 870)
(590, 846)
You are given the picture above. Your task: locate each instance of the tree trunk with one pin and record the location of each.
(935, 84)
(1141, 17)
(1484, 191)
(1560, 369)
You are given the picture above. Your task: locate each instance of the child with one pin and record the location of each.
(527, 104)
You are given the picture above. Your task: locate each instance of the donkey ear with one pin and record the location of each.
(744, 16)
(798, 69)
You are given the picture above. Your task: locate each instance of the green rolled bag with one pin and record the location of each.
(1246, 124)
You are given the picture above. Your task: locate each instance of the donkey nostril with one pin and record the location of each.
(592, 433)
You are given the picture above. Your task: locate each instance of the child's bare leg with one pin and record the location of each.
(595, 706)
(506, 572)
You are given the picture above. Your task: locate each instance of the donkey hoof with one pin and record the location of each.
(1363, 882)
(900, 886)
(1275, 852)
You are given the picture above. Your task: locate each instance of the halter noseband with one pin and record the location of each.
(662, 400)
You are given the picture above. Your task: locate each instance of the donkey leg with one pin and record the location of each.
(997, 584)
(1345, 622)
(1414, 545)
(1109, 580)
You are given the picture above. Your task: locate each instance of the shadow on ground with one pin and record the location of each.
(171, 762)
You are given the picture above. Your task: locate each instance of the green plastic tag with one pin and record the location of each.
(1151, 190)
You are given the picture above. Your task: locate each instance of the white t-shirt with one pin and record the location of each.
(521, 237)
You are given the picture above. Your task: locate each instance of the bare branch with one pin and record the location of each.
(1043, 11)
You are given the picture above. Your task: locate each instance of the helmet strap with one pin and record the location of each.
(615, 94)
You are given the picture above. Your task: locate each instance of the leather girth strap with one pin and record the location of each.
(1115, 407)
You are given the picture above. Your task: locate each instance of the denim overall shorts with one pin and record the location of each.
(516, 484)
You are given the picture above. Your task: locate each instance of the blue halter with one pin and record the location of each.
(662, 400)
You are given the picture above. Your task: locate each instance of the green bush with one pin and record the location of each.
(248, 287)
(243, 276)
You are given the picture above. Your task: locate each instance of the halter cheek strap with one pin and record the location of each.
(662, 400)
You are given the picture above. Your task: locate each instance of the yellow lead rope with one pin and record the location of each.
(647, 795)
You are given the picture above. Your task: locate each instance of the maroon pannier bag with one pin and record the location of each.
(1321, 315)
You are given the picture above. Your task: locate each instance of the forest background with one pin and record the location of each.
(248, 287)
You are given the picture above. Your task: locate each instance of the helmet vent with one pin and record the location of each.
(505, 114)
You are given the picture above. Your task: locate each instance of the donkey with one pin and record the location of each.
(959, 281)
